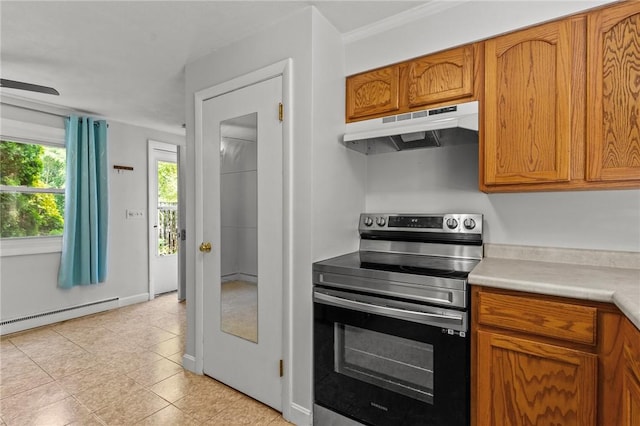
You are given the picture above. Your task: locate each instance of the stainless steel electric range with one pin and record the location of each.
(391, 322)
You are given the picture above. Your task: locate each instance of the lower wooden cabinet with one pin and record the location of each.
(631, 380)
(525, 382)
(543, 360)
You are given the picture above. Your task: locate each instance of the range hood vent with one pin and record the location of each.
(447, 126)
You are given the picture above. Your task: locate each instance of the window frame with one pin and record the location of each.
(31, 133)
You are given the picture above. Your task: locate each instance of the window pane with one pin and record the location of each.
(167, 208)
(40, 166)
(31, 215)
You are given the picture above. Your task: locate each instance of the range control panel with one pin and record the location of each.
(468, 223)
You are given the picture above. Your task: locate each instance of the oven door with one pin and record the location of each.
(388, 362)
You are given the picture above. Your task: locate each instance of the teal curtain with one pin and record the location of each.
(86, 213)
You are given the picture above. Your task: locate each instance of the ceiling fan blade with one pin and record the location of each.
(12, 84)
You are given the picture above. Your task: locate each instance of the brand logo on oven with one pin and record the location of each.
(378, 406)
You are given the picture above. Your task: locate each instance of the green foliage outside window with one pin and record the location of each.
(168, 232)
(24, 210)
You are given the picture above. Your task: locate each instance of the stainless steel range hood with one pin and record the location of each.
(446, 126)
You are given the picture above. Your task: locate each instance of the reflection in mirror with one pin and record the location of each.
(239, 219)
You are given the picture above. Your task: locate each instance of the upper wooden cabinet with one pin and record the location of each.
(613, 93)
(441, 77)
(373, 92)
(527, 99)
(562, 104)
(428, 81)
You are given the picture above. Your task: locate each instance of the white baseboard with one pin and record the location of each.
(299, 415)
(46, 318)
(189, 363)
(132, 300)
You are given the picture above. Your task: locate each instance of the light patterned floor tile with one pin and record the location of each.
(59, 413)
(59, 366)
(31, 400)
(28, 379)
(155, 372)
(85, 379)
(169, 416)
(169, 347)
(244, 411)
(90, 359)
(180, 385)
(139, 405)
(108, 393)
(203, 406)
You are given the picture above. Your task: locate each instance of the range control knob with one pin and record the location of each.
(469, 223)
(368, 221)
(381, 221)
(452, 223)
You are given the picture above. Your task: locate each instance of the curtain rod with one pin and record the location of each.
(42, 111)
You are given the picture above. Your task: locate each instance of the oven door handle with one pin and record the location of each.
(428, 318)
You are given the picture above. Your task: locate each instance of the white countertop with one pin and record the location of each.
(581, 274)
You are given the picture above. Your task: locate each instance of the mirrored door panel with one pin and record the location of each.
(239, 226)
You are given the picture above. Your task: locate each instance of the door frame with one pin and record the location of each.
(152, 147)
(284, 69)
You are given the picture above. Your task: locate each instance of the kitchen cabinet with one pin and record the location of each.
(613, 93)
(561, 104)
(524, 379)
(631, 381)
(420, 83)
(441, 77)
(527, 127)
(373, 93)
(549, 360)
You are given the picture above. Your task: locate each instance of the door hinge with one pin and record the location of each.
(280, 112)
(281, 361)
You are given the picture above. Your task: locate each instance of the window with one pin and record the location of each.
(32, 180)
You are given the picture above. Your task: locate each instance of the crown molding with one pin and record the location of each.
(432, 8)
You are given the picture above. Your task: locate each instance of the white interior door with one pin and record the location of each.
(243, 223)
(164, 236)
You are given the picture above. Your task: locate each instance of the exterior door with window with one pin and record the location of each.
(163, 218)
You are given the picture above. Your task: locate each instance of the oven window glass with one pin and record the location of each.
(390, 362)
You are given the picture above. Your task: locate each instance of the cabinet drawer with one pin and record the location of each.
(559, 320)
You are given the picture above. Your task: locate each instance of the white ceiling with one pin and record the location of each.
(125, 60)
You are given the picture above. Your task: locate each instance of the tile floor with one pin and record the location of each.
(120, 367)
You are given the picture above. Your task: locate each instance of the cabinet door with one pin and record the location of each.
(372, 93)
(441, 76)
(613, 93)
(524, 382)
(630, 399)
(631, 380)
(527, 119)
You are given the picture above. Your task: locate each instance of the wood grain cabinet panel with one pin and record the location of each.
(373, 92)
(631, 380)
(441, 77)
(613, 93)
(558, 320)
(527, 119)
(525, 382)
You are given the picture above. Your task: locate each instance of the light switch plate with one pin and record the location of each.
(134, 214)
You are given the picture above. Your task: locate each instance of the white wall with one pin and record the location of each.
(325, 181)
(446, 180)
(29, 283)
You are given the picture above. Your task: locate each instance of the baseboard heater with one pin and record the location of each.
(45, 318)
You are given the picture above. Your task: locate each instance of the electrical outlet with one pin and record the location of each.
(134, 214)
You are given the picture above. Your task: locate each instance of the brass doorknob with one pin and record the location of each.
(205, 247)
